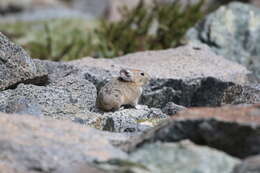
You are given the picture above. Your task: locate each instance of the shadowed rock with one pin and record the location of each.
(235, 130)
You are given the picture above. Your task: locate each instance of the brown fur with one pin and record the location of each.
(120, 91)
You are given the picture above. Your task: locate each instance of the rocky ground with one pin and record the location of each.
(50, 123)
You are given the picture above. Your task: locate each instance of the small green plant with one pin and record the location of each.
(159, 27)
(68, 45)
(56, 39)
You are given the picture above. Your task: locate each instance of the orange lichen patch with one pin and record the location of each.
(241, 114)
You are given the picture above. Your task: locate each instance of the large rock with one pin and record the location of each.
(30, 144)
(17, 67)
(185, 63)
(234, 130)
(64, 98)
(183, 157)
(128, 120)
(190, 75)
(232, 31)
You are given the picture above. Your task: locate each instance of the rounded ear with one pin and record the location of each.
(126, 75)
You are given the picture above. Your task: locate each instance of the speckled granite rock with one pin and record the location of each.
(62, 99)
(188, 62)
(17, 67)
(129, 120)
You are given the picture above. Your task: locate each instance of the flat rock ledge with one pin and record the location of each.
(187, 62)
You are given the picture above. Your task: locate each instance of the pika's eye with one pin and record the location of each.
(142, 74)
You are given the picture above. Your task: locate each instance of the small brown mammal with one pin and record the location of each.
(124, 90)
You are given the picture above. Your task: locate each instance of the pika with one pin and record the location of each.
(123, 90)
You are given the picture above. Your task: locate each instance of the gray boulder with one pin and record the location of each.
(232, 129)
(191, 75)
(232, 31)
(63, 99)
(17, 67)
(128, 120)
(30, 144)
(183, 157)
(188, 62)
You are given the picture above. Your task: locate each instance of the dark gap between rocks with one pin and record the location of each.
(39, 81)
(235, 139)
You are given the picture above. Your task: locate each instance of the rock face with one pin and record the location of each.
(64, 98)
(187, 62)
(17, 67)
(190, 76)
(31, 144)
(183, 157)
(232, 31)
(234, 130)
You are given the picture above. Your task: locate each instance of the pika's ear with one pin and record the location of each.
(126, 75)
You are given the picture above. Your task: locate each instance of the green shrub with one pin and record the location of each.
(59, 39)
(158, 26)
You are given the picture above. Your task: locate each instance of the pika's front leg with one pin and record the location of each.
(136, 105)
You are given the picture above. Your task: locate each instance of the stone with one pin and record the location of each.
(45, 145)
(128, 120)
(17, 67)
(172, 109)
(200, 78)
(63, 99)
(232, 31)
(183, 157)
(249, 165)
(194, 61)
(232, 129)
